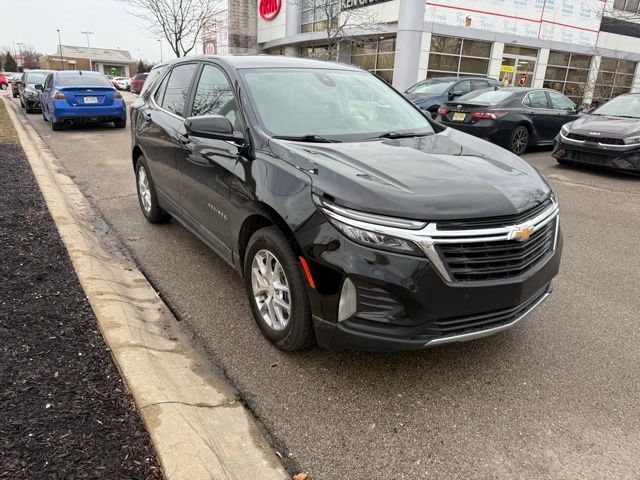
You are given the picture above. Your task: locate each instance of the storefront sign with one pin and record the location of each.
(269, 9)
(507, 68)
(349, 4)
(523, 79)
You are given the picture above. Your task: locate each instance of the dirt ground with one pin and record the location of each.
(64, 410)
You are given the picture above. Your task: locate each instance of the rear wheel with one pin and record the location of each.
(276, 289)
(120, 123)
(3, 86)
(147, 194)
(519, 140)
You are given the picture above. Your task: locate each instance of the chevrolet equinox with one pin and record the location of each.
(354, 219)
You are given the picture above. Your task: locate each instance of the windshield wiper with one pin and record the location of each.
(306, 138)
(401, 135)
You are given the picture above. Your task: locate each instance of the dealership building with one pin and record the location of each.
(587, 49)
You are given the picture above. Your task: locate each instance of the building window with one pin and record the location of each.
(315, 14)
(457, 56)
(319, 52)
(376, 55)
(615, 77)
(627, 5)
(568, 74)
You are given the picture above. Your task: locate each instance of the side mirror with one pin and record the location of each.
(455, 93)
(212, 126)
(579, 109)
(38, 86)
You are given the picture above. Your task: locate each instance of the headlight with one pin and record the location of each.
(369, 229)
(632, 140)
(564, 130)
(31, 93)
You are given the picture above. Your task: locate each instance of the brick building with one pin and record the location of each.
(117, 63)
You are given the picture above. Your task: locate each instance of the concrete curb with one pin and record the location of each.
(198, 427)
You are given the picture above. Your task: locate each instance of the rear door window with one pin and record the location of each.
(463, 87)
(478, 84)
(177, 89)
(537, 100)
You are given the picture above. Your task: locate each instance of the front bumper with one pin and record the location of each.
(597, 155)
(31, 102)
(405, 303)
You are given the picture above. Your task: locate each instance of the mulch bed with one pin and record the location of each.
(64, 410)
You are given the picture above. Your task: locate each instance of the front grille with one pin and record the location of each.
(494, 222)
(603, 140)
(490, 260)
(489, 320)
(588, 157)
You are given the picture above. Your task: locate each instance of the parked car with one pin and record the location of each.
(71, 97)
(4, 81)
(515, 117)
(15, 84)
(355, 222)
(30, 87)
(608, 136)
(122, 83)
(429, 94)
(138, 81)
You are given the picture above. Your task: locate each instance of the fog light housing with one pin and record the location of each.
(348, 304)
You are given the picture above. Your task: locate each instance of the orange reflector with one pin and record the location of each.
(307, 272)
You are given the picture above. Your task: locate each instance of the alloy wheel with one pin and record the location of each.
(143, 189)
(520, 140)
(270, 290)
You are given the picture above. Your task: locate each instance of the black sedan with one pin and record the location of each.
(608, 137)
(515, 118)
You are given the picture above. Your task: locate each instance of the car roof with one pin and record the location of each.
(77, 72)
(268, 61)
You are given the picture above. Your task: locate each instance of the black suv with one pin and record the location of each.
(355, 220)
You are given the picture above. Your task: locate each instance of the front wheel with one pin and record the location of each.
(151, 209)
(276, 289)
(3, 86)
(519, 140)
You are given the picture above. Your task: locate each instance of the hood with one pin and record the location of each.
(449, 175)
(609, 126)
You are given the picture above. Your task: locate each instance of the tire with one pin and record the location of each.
(148, 203)
(519, 140)
(30, 110)
(56, 126)
(21, 103)
(3, 86)
(15, 95)
(294, 332)
(121, 123)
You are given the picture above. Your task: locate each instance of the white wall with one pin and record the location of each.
(273, 29)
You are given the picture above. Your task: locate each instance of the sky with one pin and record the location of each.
(34, 22)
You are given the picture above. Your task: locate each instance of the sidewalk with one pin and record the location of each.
(64, 410)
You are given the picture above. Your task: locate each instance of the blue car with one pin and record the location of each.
(78, 97)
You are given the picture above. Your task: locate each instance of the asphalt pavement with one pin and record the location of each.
(557, 397)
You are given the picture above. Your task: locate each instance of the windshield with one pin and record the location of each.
(487, 96)
(84, 80)
(623, 106)
(337, 104)
(432, 87)
(34, 78)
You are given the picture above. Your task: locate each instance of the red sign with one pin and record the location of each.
(523, 79)
(269, 9)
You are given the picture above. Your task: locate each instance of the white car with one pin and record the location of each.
(123, 83)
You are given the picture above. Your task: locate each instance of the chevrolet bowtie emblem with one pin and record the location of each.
(522, 234)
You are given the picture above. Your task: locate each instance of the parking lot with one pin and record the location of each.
(556, 397)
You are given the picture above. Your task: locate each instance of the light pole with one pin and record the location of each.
(160, 42)
(60, 47)
(21, 57)
(87, 34)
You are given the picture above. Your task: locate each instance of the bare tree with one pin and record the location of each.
(177, 21)
(339, 25)
(30, 57)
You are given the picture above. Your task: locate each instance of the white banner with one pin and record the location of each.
(570, 21)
